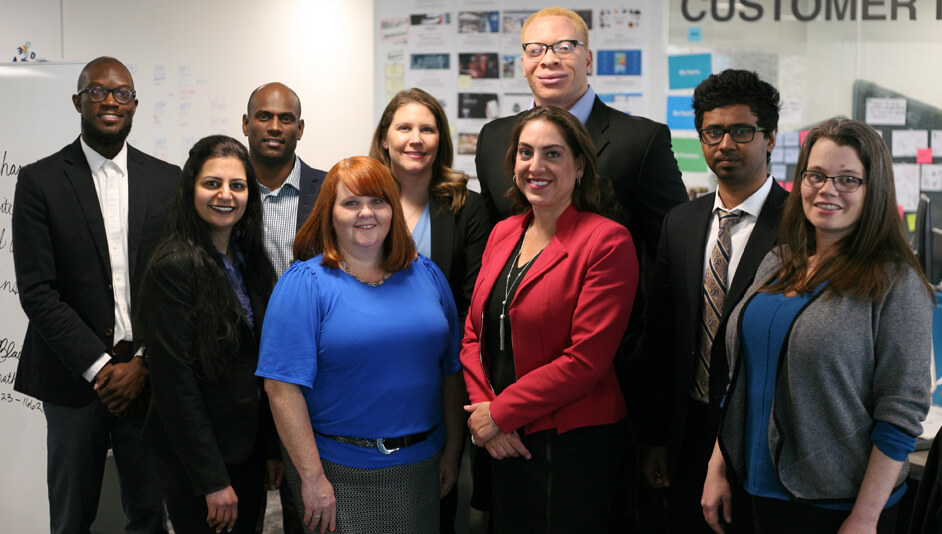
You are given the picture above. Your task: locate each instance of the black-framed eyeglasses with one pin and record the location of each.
(97, 93)
(564, 48)
(844, 184)
(740, 134)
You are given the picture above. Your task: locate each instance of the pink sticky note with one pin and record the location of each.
(787, 185)
(801, 137)
(900, 208)
(924, 155)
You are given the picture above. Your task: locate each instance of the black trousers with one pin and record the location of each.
(568, 486)
(775, 516)
(77, 443)
(188, 511)
(686, 489)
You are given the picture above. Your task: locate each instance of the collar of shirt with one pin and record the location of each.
(752, 205)
(582, 108)
(96, 160)
(293, 180)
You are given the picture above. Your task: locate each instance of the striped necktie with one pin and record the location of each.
(714, 292)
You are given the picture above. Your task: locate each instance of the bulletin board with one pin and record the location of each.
(467, 54)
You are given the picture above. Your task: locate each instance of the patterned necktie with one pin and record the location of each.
(714, 292)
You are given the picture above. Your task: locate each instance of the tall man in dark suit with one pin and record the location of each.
(289, 189)
(85, 221)
(736, 115)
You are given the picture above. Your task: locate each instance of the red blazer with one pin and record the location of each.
(567, 320)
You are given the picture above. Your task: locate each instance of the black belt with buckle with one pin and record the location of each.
(384, 445)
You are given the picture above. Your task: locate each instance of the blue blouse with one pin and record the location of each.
(765, 324)
(369, 360)
(422, 233)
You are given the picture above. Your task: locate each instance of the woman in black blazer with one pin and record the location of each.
(203, 299)
(449, 223)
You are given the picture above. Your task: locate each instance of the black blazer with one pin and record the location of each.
(670, 348)
(205, 424)
(311, 181)
(63, 270)
(457, 245)
(633, 152)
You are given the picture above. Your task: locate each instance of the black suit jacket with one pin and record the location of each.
(457, 245)
(206, 424)
(670, 348)
(63, 270)
(311, 181)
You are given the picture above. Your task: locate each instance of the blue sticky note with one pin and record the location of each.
(687, 71)
(680, 113)
(694, 34)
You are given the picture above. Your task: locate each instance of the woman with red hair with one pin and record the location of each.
(356, 387)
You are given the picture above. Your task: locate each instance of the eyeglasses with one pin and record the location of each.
(97, 93)
(564, 48)
(844, 184)
(740, 134)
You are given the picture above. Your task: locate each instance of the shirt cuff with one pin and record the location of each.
(891, 441)
(90, 373)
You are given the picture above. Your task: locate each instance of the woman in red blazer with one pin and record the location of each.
(548, 311)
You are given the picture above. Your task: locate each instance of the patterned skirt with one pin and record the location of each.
(397, 499)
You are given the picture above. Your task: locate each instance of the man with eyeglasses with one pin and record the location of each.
(85, 221)
(710, 249)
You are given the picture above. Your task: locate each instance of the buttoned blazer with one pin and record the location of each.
(458, 241)
(311, 181)
(206, 423)
(567, 317)
(671, 347)
(63, 270)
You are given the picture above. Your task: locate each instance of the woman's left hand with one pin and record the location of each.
(480, 423)
(447, 474)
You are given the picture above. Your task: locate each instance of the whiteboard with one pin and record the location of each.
(38, 120)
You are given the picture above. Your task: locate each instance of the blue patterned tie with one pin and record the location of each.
(714, 292)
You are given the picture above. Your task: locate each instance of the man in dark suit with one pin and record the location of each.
(85, 221)
(289, 189)
(736, 115)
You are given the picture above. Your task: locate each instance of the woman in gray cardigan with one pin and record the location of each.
(828, 353)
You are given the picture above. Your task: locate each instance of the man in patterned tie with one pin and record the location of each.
(707, 256)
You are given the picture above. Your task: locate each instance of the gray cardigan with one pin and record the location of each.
(845, 363)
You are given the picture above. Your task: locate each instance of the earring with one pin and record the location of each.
(514, 179)
(578, 181)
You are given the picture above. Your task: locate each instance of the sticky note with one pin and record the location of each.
(464, 81)
(911, 221)
(801, 137)
(694, 34)
(924, 155)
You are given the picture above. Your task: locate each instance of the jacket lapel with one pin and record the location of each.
(443, 230)
(597, 125)
(696, 247)
(763, 238)
(137, 204)
(80, 177)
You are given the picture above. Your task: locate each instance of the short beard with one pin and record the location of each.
(100, 138)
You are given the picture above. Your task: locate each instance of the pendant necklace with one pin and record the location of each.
(346, 269)
(508, 284)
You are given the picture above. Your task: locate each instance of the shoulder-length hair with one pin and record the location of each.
(363, 176)
(586, 196)
(216, 311)
(448, 186)
(861, 263)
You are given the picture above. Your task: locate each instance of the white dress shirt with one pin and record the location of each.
(111, 185)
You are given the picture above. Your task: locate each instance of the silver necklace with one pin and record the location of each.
(346, 268)
(508, 284)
